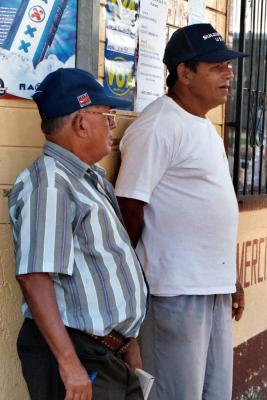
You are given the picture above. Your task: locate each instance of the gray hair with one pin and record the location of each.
(52, 126)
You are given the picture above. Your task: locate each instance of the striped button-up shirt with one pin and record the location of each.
(66, 222)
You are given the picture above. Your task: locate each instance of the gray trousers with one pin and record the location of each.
(186, 343)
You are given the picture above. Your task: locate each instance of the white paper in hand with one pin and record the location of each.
(146, 381)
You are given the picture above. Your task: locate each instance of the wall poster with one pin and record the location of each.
(36, 37)
(152, 40)
(120, 50)
(196, 11)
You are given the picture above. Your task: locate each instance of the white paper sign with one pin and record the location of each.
(196, 11)
(152, 41)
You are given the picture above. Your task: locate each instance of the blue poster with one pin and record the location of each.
(120, 50)
(38, 37)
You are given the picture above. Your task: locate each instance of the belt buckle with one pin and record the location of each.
(122, 341)
(111, 339)
(124, 347)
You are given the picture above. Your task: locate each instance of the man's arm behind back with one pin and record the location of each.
(133, 215)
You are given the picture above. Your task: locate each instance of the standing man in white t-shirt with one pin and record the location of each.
(180, 209)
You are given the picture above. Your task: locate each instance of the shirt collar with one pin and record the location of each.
(98, 169)
(70, 160)
(65, 157)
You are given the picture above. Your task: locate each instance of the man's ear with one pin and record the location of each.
(184, 74)
(80, 125)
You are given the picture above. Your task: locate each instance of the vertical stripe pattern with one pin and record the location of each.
(66, 222)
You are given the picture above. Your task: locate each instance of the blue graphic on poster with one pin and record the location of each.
(37, 37)
(120, 50)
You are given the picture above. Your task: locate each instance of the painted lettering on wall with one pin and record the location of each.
(251, 260)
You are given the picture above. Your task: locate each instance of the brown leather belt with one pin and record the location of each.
(113, 341)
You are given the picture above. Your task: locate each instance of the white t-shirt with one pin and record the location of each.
(176, 162)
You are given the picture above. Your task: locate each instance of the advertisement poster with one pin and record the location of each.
(196, 11)
(152, 40)
(36, 37)
(120, 50)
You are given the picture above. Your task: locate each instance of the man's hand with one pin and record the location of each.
(238, 302)
(39, 293)
(76, 381)
(132, 355)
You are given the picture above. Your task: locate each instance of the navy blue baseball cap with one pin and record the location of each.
(69, 89)
(198, 42)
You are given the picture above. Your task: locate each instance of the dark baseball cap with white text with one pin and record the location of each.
(198, 42)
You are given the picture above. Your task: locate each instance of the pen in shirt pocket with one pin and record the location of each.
(92, 376)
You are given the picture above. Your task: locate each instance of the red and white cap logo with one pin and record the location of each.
(84, 100)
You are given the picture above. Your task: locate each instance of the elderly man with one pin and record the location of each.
(179, 205)
(84, 291)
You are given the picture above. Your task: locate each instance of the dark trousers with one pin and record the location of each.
(114, 381)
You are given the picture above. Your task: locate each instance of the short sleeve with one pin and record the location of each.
(43, 233)
(145, 156)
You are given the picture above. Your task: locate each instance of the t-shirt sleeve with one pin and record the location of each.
(145, 156)
(43, 233)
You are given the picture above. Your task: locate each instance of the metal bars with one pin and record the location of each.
(249, 119)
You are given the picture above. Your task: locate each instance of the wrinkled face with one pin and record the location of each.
(97, 142)
(211, 83)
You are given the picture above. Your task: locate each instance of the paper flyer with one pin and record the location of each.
(36, 38)
(120, 50)
(196, 11)
(152, 41)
